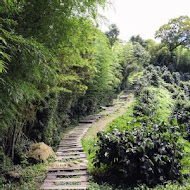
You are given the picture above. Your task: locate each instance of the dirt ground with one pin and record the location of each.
(102, 123)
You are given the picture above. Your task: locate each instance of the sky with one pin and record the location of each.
(142, 17)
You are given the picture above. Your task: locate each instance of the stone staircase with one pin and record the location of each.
(70, 168)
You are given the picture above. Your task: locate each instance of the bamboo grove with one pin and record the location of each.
(55, 67)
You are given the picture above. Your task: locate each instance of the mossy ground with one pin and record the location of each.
(31, 179)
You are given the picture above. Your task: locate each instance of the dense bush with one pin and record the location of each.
(176, 76)
(182, 113)
(146, 105)
(168, 77)
(182, 59)
(171, 88)
(149, 154)
(150, 77)
(132, 59)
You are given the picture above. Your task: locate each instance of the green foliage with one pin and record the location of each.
(173, 50)
(55, 66)
(5, 166)
(175, 32)
(112, 34)
(106, 80)
(138, 39)
(182, 112)
(182, 59)
(160, 54)
(121, 122)
(127, 150)
(31, 177)
(168, 186)
(149, 154)
(133, 57)
(50, 55)
(147, 104)
(168, 77)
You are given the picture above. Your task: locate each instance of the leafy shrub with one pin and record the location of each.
(146, 105)
(158, 69)
(181, 97)
(185, 86)
(182, 113)
(182, 59)
(176, 77)
(5, 166)
(169, 87)
(163, 69)
(154, 79)
(149, 154)
(152, 75)
(150, 68)
(168, 77)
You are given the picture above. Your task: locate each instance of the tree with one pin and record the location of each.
(137, 39)
(46, 50)
(175, 33)
(102, 88)
(112, 34)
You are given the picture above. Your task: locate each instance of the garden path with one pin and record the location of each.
(69, 171)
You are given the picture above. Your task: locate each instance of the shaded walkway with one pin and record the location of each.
(70, 169)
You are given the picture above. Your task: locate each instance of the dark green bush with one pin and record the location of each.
(170, 87)
(176, 77)
(146, 106)
(149, 154)
(150, 68)
(182, 113)
(154, 79)
(168, 77)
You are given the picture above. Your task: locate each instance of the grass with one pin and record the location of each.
(165, 101)
(185, 162)
(120, 122)
(32, 178)
(168, 186)
(90, 138)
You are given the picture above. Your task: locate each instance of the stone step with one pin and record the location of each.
(61, 151)
(70, 149)
(63, 187)
(86, 121)
(77, 139)
(71, 173)
(76, 134)
(71, 157)
(68, 139)
(73, 136)
(70, 145)
(81, 173)
(69, 153)
(84, 125)
(80, 179)
(123, 97)
(67, 169)
(92, 117)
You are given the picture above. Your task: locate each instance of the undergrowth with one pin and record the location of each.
(165, 95)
